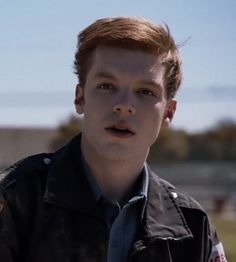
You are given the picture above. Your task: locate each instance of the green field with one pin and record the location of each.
(226, 230)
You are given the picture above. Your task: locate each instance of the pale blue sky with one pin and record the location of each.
(38, 40)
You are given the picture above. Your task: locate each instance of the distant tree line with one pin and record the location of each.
(215, 144)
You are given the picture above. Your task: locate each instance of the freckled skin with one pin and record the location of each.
(123, 88)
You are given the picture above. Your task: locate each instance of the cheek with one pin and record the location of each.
(154, 122)
(155, 115)
(95, 111)
(95, 101)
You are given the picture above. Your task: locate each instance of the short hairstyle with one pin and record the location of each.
(135, 34)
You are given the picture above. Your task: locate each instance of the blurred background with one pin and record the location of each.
(38, 41)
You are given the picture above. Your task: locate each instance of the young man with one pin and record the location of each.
(96, 199)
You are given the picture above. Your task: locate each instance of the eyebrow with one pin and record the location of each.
(102, 74)
(150, 83)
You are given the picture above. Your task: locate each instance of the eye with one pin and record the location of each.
(106, 86)
(147, 92)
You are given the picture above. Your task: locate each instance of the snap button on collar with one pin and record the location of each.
(174, 194)
(47, 161)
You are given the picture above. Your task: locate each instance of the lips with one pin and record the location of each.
(120, 130)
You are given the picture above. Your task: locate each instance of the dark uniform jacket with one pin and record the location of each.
(48, 213)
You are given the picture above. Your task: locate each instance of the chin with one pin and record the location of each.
(115, 152)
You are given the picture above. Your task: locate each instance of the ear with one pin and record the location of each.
(169, 112)
(79, 99)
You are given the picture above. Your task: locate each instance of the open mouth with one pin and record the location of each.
(120, 131)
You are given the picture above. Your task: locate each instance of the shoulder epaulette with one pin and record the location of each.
(182, 198)
(23, 167)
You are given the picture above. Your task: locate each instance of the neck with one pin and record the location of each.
(115, 178)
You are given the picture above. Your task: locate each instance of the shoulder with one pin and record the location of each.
(181, 198)
(197, 220)
(21, 170)
(22, 185)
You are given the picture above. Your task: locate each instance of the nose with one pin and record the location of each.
(130, 110)
(125, 105)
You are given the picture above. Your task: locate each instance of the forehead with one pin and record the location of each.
(125, 61)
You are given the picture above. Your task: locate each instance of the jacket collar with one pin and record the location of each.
(67, 186)
(163, 217)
